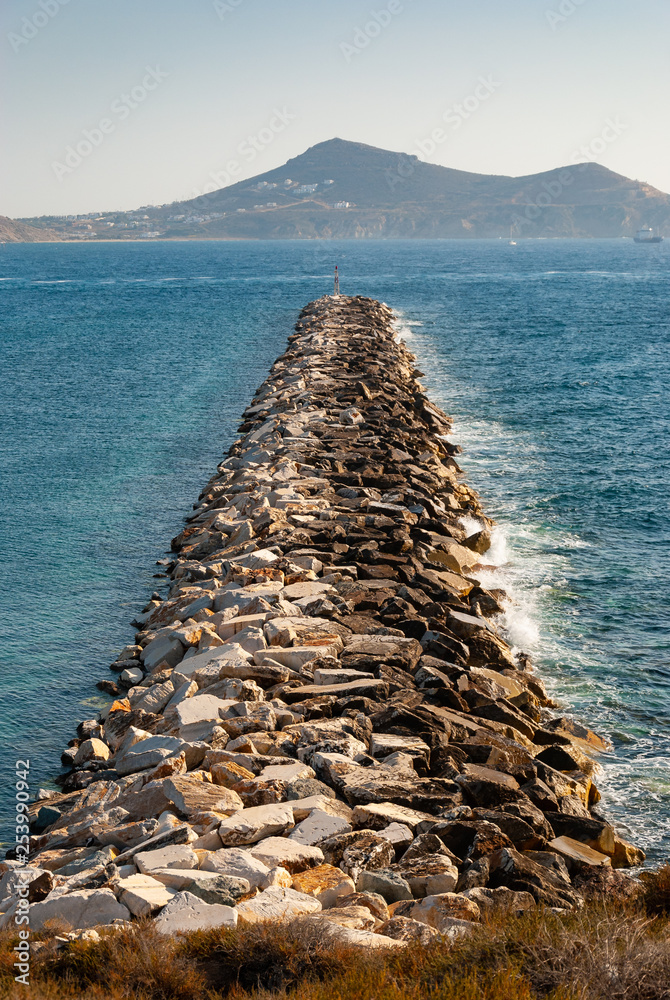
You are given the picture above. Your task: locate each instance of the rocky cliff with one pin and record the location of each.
(323, 717)
(12, 231)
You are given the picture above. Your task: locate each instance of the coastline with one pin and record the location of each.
(395, 556)
(331, 239)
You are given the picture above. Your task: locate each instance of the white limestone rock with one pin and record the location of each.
(213, 887)
(287, 772)
(284, 853)
(378, 815)
(143, 895)
(147, 753)
(296, 656)
(318, 826)
(277, 904)
(165, 648)
(81, 909)
(400, 835)
(238, 864)
(156, 698)
(202, 708)
(186, 912)
(175, 856)
(256, 823)
(190, 796)
(334, 807)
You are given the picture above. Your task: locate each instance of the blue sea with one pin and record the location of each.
(125, 369)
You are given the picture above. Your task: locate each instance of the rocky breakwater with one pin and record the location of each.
(322, 718)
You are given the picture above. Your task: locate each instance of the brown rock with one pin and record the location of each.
(327, 884)
(408, 930)
(191, 796)
(438, 911)
(375, 903)
(515, 871)
(626, 855)
(359, 851)
(485, 787)
(595, 833)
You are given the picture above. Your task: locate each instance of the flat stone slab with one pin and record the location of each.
(213, 887)
(286, 772)
(238, 864)
(309, 588)
(147, 753)
(175, 856)
(256, 823)
(190, 666)
(277, 904)
(382, 745)
(581, 854)
(318, 826)
(279, 852)
(371, 688)
(295, 656)
(334, 807)
(377, 815)
(328, 676)
(202, 708)
(144, 895)
(186, 912)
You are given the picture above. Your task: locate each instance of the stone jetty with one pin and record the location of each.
(323, 719)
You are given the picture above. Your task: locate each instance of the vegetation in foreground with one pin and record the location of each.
(608, 951)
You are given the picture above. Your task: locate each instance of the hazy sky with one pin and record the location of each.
(182, 85)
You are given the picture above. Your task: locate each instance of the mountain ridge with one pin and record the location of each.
(343, 189)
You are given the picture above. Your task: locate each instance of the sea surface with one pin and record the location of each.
(125, 368)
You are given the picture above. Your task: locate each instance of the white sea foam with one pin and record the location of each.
(403, 327)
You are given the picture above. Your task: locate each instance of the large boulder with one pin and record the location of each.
(277, 904)
(511, 869)
(186, 912)
(81, 909)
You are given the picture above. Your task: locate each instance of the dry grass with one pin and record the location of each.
(603, 953)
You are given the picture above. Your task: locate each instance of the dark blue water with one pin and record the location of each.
(125, 369)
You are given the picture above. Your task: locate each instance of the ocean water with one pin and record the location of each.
(125, 369)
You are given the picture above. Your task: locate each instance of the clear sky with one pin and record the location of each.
(183, 84)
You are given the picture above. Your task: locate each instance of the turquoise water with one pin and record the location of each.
(125, 369)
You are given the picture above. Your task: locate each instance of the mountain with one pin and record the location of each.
(340, 189)
(17, 232)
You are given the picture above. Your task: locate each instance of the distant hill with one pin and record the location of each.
(18, 232)
(340, 189)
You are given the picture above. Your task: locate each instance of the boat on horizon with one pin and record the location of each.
(646, 235)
